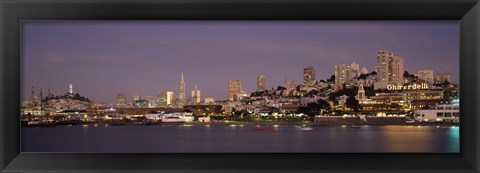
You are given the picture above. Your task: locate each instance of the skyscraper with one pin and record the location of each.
(162, 99)
(121, 99)
(342, 74)
(309, 75)
(181, 95)
(196, 98)
(170, 98)
(70, 89)
(234, 88)
(261, 83)
(389, 67)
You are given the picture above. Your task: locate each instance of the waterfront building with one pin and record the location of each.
(427, 104)
(389, 67)
(382, 110)
(209, 100)
(309, 75)
(261, 83)
(234, 89)
(426, 75)
(196, 98)
(121, 99)
(361, 95)
(440, 78)
(170, 98)
(439, 113)
(181, 95)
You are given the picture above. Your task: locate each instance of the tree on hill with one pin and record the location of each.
(314, 108)
(353, 103)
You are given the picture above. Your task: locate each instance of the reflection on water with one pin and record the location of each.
(240, 138)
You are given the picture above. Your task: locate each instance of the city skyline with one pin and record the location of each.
(101, 66)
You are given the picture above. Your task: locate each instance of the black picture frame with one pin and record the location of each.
(467, 12)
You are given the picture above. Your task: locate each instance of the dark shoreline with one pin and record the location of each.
(259, 123)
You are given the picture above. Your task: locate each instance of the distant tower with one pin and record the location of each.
(234, 89)
(41, 96)
(41, 101)
(181, 95)
(170, 98)
(49, 94)
(196, 96)
(309, 75)
(261, 83)
(361, 94)
(49, 97)
(121, 99)
(70, 89)
(33, 95)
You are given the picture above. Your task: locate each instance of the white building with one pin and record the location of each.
(441, 78)
(426, 75)
(439, 114)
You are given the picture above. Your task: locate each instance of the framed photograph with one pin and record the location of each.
(251, 86)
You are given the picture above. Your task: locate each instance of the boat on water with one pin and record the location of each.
(173, 120)
(306, 128)
(356, 126)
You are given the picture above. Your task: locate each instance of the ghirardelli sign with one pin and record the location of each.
(407, 87)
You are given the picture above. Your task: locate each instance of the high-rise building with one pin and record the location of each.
(33, 100)
(389, 67)
(196, 98)
(363, 70)
(289, 84)
(70, 89)
(121, 99)
(441, 78)
(136, 97)
(261, 83)
(209, 99)
(170, 98)
(426, 75)
(309, 75)
(354, 70)
(342, 74)
(162, 99)
(181, 95)
(234, 89)
(151, 101)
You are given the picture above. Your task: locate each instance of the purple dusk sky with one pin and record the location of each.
(103, 58)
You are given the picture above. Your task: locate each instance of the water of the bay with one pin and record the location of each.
(200, 138)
